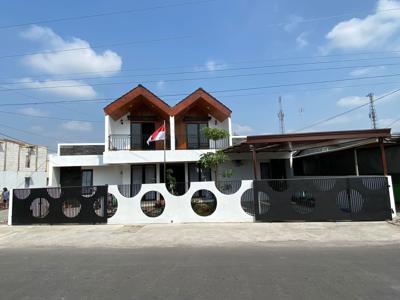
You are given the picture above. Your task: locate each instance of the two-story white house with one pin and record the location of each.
(126, 159)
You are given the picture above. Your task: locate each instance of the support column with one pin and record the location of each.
(383, 157)
(254, 156)
(186, 177)
(230, 131)
(356, 162)
(172, 132)
(158, 173)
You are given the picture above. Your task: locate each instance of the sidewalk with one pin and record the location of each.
(200, 235)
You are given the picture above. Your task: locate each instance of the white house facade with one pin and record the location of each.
(126, 159)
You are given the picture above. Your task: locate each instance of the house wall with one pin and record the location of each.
(13, 179)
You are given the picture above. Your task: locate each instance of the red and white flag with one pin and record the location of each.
(158, 135)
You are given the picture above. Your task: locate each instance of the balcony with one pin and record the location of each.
(118, 142)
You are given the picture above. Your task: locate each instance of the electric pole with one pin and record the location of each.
(372, 111)
(281, 117)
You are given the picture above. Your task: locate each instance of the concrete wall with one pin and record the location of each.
(12, 180)
(179, 209)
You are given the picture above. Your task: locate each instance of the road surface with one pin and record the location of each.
(241, 272)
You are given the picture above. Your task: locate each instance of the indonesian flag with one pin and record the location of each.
(158, 135)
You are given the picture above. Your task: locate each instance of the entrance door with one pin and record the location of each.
(278, 168)
(140, 132)
(70, 176)
(177, 171)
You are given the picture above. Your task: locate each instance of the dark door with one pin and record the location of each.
(177, 172)
(278, 168)
(265, 170)
(70, 176)
(140, 132)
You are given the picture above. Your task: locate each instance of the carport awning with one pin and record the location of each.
(310, 143)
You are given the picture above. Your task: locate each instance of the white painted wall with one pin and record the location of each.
(12, 179)
(179, 209)
(115, 127)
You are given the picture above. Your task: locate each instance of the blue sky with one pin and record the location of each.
(218, 45)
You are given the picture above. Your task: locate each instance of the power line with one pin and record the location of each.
(93, 47)
(104, 14)
(72, 101)
(217, 91)
(392, 123)
(220, 68)
(347, 111)
(19, 140)
(216, 77)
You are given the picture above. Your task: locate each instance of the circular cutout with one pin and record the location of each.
(247, 202)
(88, 191)
(374, 183)
(22, 193)
(278, 185)
(324, 185)
(40, 208)
(54, 193)
(303, 202)
(228, 187)
(350, 201)
(152, 204)
(204, 203)
(71, 208)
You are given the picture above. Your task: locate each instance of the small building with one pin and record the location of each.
(22, 165)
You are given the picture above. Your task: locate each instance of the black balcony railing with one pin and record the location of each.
(133, 142)
(139, 142)
(200, 142)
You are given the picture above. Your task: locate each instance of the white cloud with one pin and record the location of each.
(301, 40)
(66, 88)
(242, 129)
(77, 126)
(367, 71)
(31, 111)
(292, 23)
(351, 101)
(84, 60)
(378, 30)
(212, 65)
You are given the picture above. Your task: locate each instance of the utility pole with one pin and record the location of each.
(281, 117)
(372, 111)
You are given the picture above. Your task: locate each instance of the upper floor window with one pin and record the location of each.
(195, 136)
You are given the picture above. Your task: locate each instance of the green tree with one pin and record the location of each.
(213, 160)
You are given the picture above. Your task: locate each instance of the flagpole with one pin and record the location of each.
(165, 156)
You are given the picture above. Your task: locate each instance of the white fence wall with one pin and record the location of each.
(178, 209)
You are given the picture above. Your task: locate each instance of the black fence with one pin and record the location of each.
(320, 199)
(53, 205)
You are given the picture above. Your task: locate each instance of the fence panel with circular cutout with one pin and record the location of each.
(152, 204)
(204, 203)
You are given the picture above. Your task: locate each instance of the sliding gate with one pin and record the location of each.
(361, 198)
(84, 205)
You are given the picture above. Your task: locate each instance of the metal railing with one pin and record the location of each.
(200, 142)
(132, 142)
(117, 142)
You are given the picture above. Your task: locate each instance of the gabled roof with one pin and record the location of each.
(134, 98)
(211, 105)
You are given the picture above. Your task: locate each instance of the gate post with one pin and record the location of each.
(256, 201)
(10, 207)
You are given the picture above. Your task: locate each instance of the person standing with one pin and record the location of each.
(6, 196)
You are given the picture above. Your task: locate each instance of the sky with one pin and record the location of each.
(321, 57)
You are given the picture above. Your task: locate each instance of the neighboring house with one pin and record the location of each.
(125, 158)
(22, 165)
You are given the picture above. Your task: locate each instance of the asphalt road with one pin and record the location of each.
(268, 272)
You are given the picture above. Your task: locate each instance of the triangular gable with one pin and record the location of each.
(125, 103)
(214, 107)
